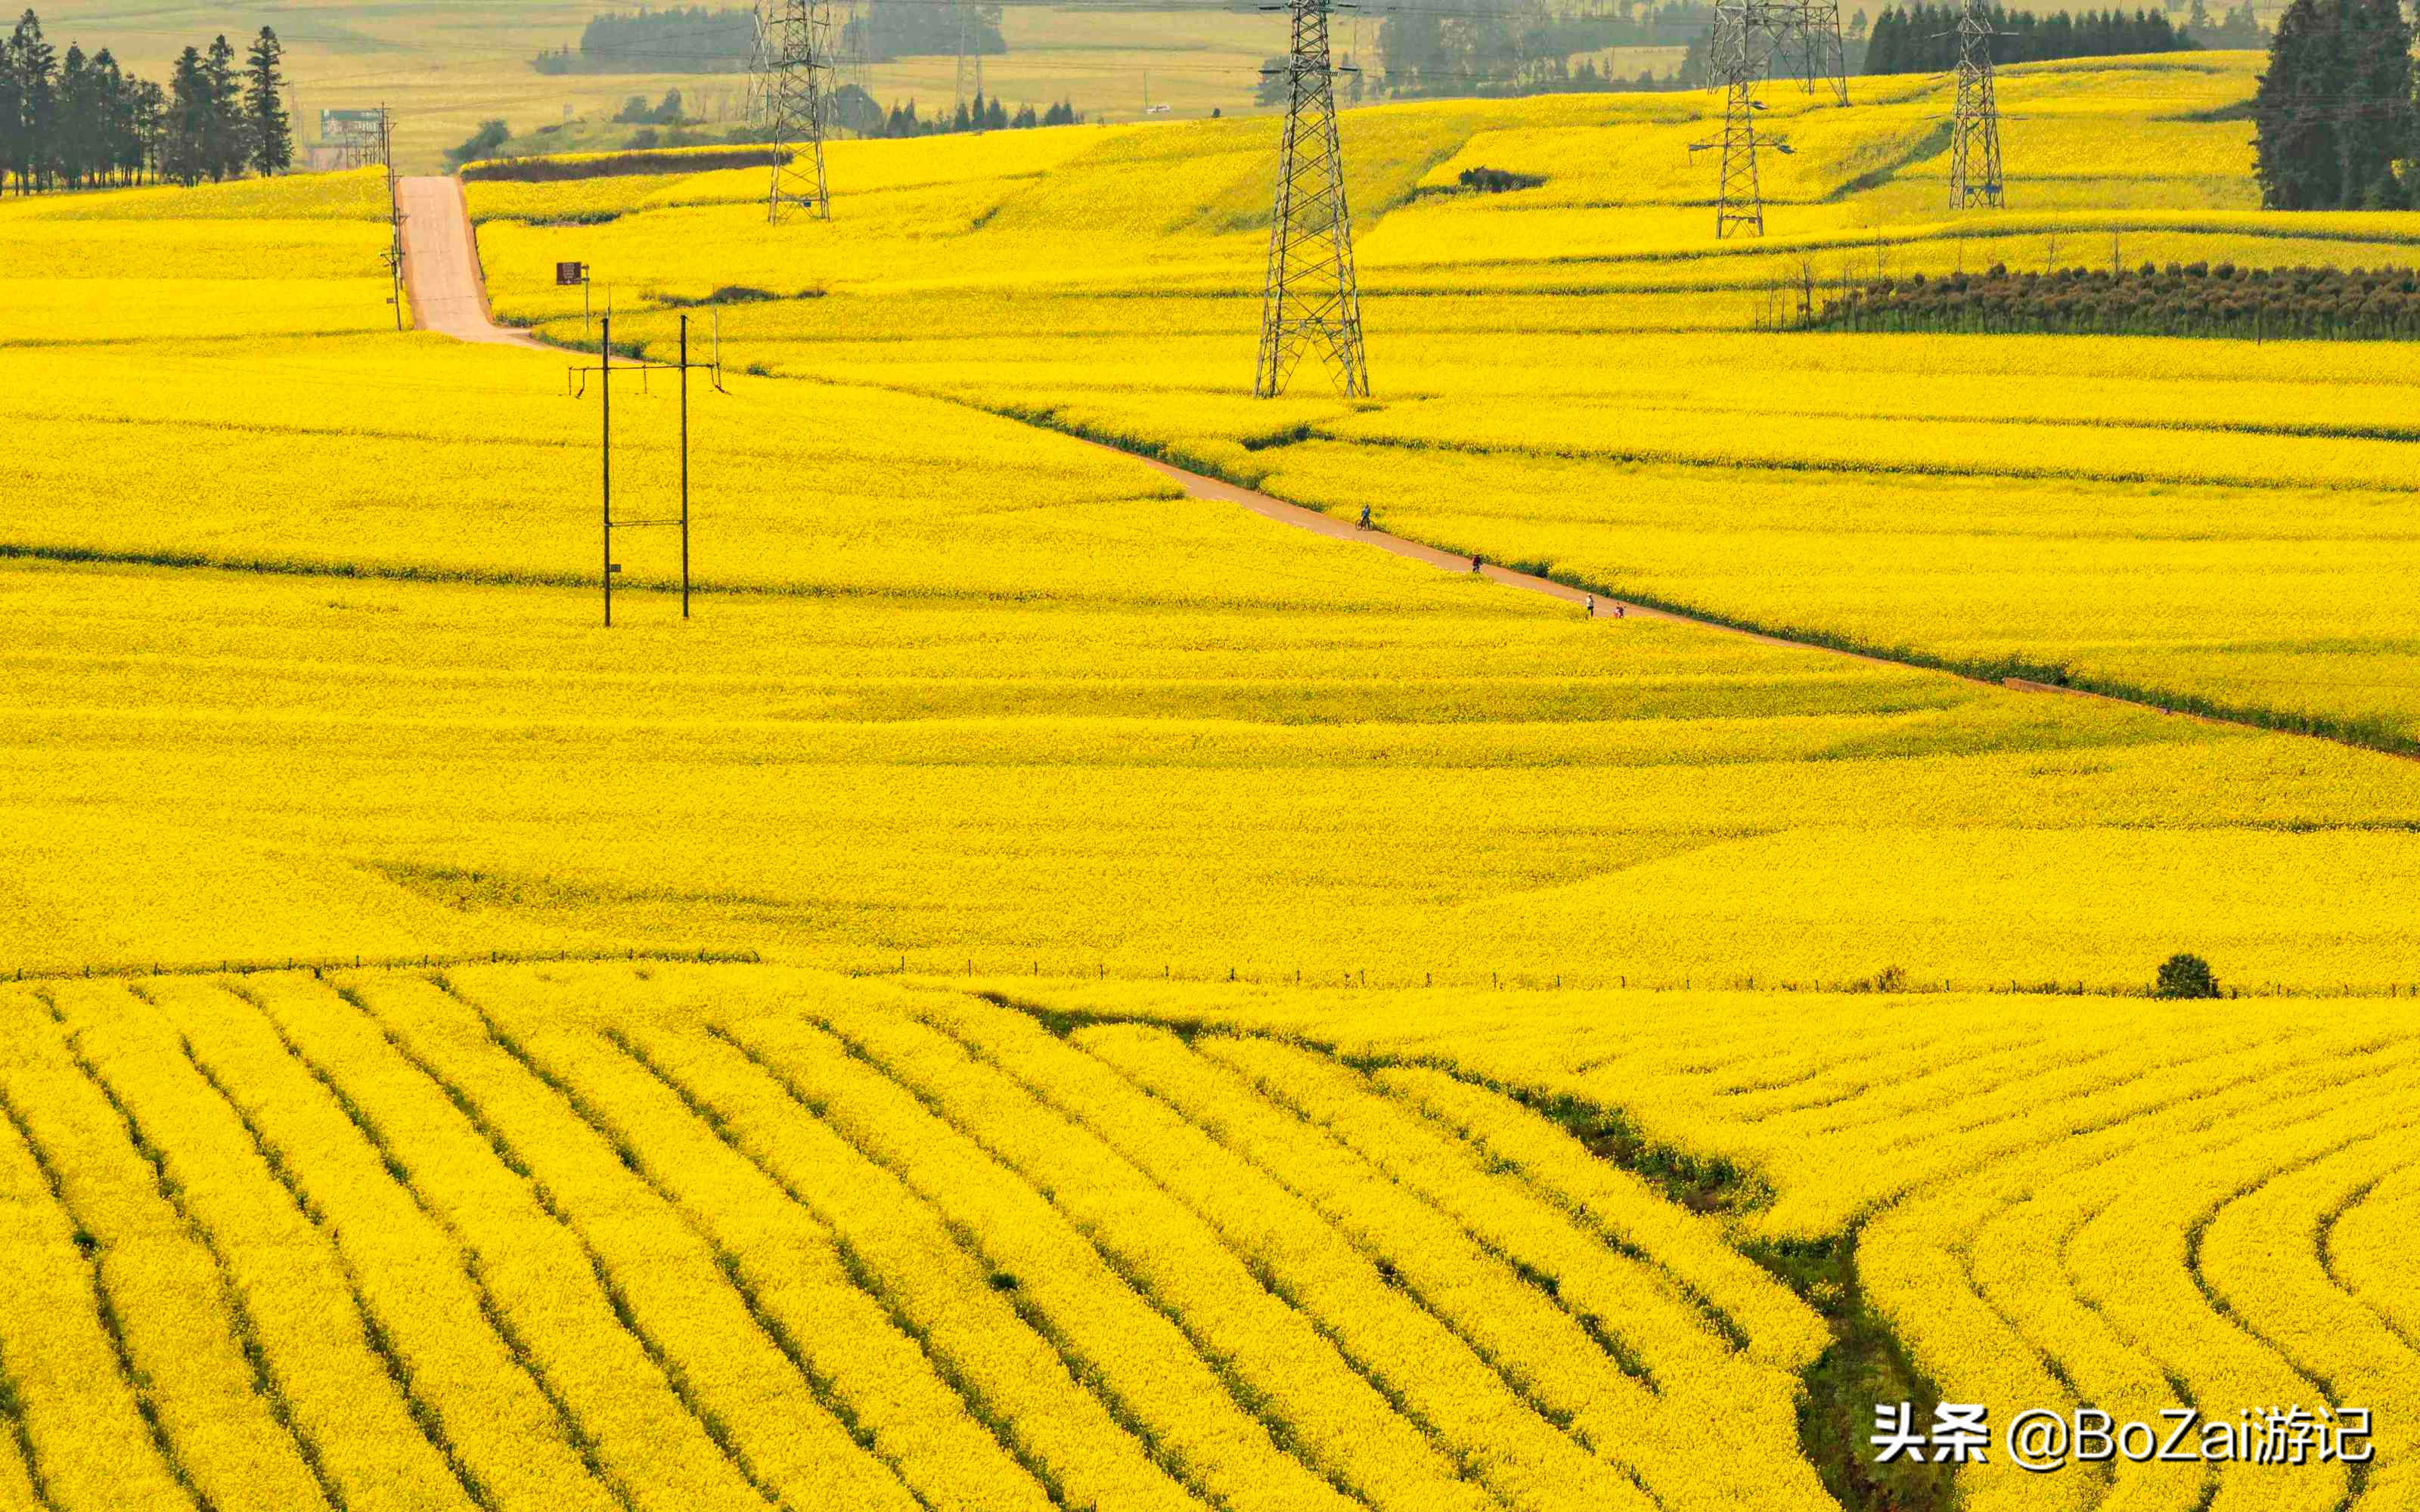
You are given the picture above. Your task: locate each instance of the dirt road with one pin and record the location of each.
(441, 269)
(1328, 525)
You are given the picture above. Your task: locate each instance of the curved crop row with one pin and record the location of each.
(76, 1416)
(788, 1266)
(492, 1413)
(182, 1324)
(935, 1287)
(317, 1332)
(1319, 1407)
(1162, 1391)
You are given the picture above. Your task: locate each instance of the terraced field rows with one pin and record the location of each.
(617, 1237)
(2057, 1201)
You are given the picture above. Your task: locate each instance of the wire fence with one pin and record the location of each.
(234, 966)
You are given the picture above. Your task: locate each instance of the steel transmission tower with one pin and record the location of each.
(798, 92)
(857, 43)
(966, 24)
(1974, 129)
(1815, 38)
(1748, 35)
(1312, 301)
(1737, 59)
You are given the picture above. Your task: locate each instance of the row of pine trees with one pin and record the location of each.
(987, 115)
(77, 121)
(1923, 38)
(2336, 115)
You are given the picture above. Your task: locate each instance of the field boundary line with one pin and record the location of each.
(233, 966)
(2009, 674)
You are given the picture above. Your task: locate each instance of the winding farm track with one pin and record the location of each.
(449, 296)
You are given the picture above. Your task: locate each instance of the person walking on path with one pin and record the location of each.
(1365, 517)
(1476, 561)
(1591, 606)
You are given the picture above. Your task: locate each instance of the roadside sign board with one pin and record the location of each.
(566, 273)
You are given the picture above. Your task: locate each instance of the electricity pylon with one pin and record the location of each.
(1738, 58)
(1748, 35)
(796, 64)
(965, 17)
(1311, 300)
(1974, 129)
(974, 16)
(855, 63)
(1815, 38)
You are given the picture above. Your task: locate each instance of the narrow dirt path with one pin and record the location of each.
(441, 265)
(1312, 520)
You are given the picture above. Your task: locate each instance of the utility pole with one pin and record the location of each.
(797, 90)
(605, 369)
(1974, 129)
(393, 215)
(1312, 301)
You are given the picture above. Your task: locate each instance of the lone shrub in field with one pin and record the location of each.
(2186, 976)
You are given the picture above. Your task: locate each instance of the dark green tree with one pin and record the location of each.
(271, 139)
(2184, 976)
(2333, 110)
(483, 143)
(142, 139)
(75, 126)
(222, 117)
(32, 70)
(185, 131)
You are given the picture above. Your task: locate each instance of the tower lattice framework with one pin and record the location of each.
(1738, 60)
(1975, 125)
(1749, 36)
(1312, 301)
(1814, 37)
(797, 88)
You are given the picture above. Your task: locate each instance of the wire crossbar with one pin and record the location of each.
(605, 368)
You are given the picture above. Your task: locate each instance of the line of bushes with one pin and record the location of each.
(2180, 299)
(615, 164)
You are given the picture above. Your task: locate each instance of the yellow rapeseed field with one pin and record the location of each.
(647, 1234)
(2057, 1202)
(1564, 377)
(1348, 1035)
